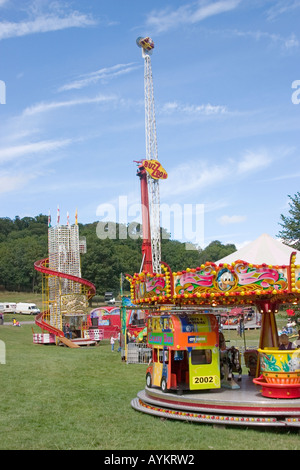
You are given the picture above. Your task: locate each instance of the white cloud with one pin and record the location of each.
(192, 13)
(45, 23)
(17, 151)
(196, 176)
(203, 109)
(285, 42)
(106, 73)
(292, 41)
(192, 177)
(282, 7)
(44, 107)
(253, 161)
(282, 177)
(231, 219)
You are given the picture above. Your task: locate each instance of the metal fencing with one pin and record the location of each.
(138, 353)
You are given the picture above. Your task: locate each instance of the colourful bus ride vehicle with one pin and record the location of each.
(185, 352)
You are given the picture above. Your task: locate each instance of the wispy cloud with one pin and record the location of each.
(288, 43)
(281, 7)
(231, 219)
(203, 174)
(22, 150)
(282, 177)
(253, 161)
(192, 109)
(44, 107)
(166, 19)
(104, 74)
(52, 20)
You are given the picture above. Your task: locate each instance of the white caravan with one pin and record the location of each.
(8, 307)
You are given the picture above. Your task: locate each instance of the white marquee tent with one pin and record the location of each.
(264, 249)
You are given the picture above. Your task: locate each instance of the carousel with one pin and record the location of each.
(192, 373)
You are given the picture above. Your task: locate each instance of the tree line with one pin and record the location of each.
(25, 240)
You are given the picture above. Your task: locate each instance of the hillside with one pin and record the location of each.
(24, 241)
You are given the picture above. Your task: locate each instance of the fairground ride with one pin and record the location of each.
(65, 292)
(150, 171)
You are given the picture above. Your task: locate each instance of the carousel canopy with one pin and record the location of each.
(264, 249)
(264, 272)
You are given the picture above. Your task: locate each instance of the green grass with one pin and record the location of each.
(59, 398)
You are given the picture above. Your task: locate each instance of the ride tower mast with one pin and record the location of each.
(151, 248)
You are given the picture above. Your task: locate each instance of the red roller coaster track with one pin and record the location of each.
(42, 268)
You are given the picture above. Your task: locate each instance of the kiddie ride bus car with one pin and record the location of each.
(185, 352)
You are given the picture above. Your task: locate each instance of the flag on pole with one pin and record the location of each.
(49, 219)
(68, 219)
(58, 215)
(76, 217)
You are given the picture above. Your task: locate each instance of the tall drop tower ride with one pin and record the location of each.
(149, 185)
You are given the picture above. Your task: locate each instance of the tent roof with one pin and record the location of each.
(264, 249)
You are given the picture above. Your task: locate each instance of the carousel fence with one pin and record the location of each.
(138, 353)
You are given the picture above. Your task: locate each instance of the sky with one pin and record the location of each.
(227, 103)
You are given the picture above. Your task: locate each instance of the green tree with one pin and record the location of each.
(215, 251)
(17, 259)
(24, 241)
(179, 255)
(290, 233)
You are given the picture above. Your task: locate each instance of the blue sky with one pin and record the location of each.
(73, 121)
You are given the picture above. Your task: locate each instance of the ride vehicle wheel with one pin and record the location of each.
(163, 385)
(148, 380)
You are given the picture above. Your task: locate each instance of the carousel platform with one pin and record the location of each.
(244, 406)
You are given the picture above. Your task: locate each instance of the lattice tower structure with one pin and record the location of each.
(151, 154)
(64, 257)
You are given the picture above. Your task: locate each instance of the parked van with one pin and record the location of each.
(27, 309)
(108, 297)
(8, 307)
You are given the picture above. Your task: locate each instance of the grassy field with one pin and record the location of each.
(59, 398)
